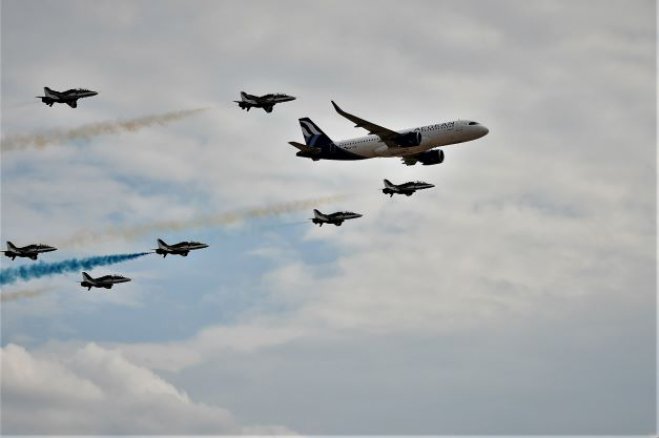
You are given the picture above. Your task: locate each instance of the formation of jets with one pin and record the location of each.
(106, 281)
(414, 145)
(267, 101)
(29, 251)
(69, 97)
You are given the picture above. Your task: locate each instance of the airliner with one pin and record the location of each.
(412, 145)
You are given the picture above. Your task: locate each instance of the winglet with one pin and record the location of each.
(359, 123)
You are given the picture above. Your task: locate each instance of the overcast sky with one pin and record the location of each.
(516, 297)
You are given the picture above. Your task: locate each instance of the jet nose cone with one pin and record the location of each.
(485, 130)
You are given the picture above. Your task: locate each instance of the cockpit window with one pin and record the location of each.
(473, 123)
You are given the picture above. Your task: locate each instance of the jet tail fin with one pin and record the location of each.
(49, 93)
(87, 277)
(162, 244)
(243, 95)
(11, 246)
(388, 183)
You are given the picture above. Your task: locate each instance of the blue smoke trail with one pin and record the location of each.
(41, 269)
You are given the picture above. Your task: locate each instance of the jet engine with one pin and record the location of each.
(431, 157)
(409, 139)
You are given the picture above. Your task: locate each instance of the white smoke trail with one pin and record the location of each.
(42, 139)
(206, 221)
(11, 296)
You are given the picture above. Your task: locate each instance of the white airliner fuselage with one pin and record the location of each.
(432, 136)
(412, 145)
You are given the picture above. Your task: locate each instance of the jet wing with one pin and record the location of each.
(387, 135)
(72, 104)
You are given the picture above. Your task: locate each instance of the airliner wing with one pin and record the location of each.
(384, 133)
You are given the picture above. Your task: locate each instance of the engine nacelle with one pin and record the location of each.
(409, 139)
(431, 157)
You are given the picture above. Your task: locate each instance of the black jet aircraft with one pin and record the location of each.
(30, 251)
(333, 218)
(182, 248)
(106, 281)
(266, 101)
(404, 189)
(69, 97)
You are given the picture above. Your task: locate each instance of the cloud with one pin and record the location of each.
(97, 391)
(546, 227)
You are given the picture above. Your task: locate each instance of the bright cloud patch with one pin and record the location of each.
(98, 391)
